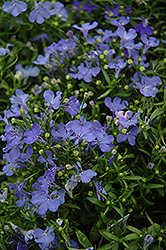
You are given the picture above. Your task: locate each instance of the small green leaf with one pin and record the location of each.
(105, 94)
(83, 239)
(157, 112)
(106, 76)
(134, 230)
(131, 237)
(118, 211)
(150, 186)
(96, 201)
(108, 236)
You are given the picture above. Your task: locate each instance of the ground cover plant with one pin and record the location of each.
(82, 121)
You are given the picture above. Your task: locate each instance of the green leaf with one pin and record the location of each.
(108, 236)
(150, 186)
(131, 237)
(133, 177)
(105, 94)
(134, 230)
(83, 239)
(106, 76)
(132, 246)
(144, 151)
(106, 247)
(157, 112)
(95, 201)
(118, 211)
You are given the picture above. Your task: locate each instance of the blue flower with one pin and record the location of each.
(27, 71)
(60, 11)
(84, 176)
(151, 42)
(130, 136)
(44, 237)
(100, 191)
(20, 247)
(148, 240)
(33, 135)
(116, 104)
(15, 7)
(52, 101)
(40, 12)
(143, 28)
(85, 27)
(4, 51)
(3, 196)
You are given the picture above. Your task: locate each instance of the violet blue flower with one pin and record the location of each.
(85, 27)
(121, 22)
(88, 72)
(15, 7)
(116, 104)
(104, 141)
(128, 121)
(143, 28)
(59, 11)
(3, 196)
(27, 71)
(84, 176)
(126, 35)
(44, 237)
(82, 132)
(40, 12)
(100, 191)
(4, 51)
(148, 240)
(130, 136)
(147, 86)
(89, 7)
(12, 158)
(47, 201)
(152, 42)
(19, 189)
(33, 135)
(52, 101)
(120, 64)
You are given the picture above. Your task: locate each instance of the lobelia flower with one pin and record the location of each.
(12, 158)
(40, 12)
(46, 201)
(128, 120)
(44, 237)
(33, 135)
(20, 99)
(27, 72)
(130, 136)
(42, 37)
(104, 141)
(81, 132)
(89, 7)
(88, 72)
(125, 36)
(52, 101)
(147, 86)
(84, 176)
(3, 196)
(61, 135)
(148, 240)
(4, 51)
(143, 28)
(100, 191)
(120, 64)
(85, 27)
(27, 156)
(15, 7)
(49, 159)
(72, 106)
(152, 42)
(112, 13)
(60, 11)
(121, 22)
(18, 193)
(116, 104)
